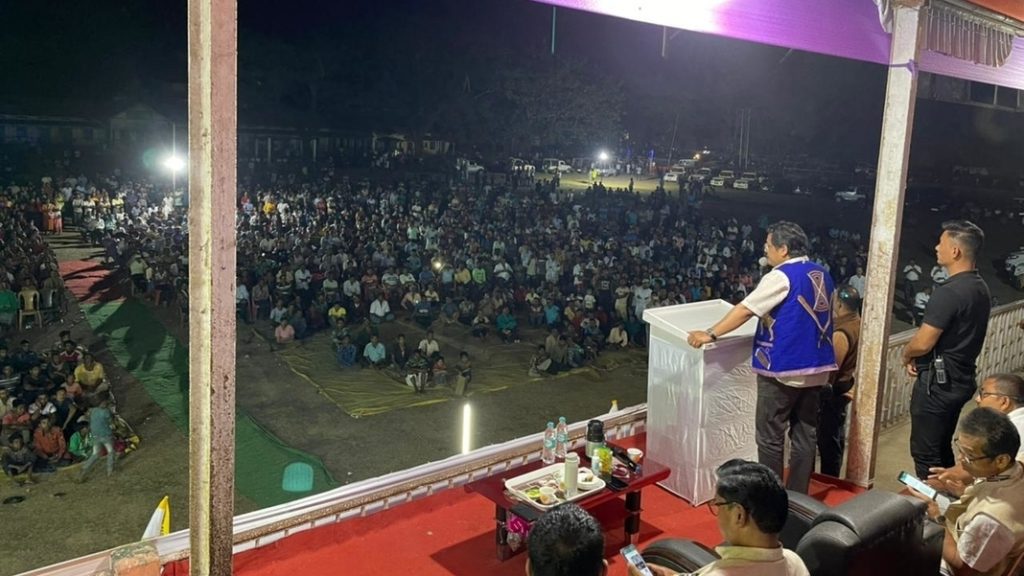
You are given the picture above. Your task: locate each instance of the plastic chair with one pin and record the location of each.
(49, 304)
(298, 477)
(29, 307)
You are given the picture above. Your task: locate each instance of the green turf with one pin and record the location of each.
(139, 343)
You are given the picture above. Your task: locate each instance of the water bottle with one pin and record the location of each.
(561, 438)
(571, 473)
(547, 454)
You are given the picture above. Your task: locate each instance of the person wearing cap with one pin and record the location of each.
(837, 394)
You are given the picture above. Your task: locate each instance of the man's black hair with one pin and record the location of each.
(967, 235)
(759, 490)
(566, 541)
(995, 428)
(1011, 385)
(849, 296)
(790, 235)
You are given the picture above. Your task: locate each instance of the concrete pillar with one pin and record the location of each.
(212, 98)
(887, 218)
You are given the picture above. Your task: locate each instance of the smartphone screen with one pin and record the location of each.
(917, 484)
(632, 556)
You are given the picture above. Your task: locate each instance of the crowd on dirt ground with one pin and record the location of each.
(572, 270)
(56, 404)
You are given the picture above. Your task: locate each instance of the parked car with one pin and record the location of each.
(674, 175)
(747, 181)
(518, 165)
(554, 165)
(854, 194)
(701, 175)
(725, 179)
(684, 165)
(468, 166)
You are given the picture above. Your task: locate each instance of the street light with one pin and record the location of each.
(603, 156)
(174, 164)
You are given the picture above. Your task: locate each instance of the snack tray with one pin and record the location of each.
(549, 475)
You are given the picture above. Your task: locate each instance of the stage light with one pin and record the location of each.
(174, 163)
(467, 422)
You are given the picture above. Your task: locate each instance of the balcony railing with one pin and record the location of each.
(1003, 352)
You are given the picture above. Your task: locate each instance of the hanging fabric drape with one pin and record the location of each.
(965, 36)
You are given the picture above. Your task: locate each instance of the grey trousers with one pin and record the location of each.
(779, 406)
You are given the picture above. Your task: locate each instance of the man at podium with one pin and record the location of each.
(792, 353)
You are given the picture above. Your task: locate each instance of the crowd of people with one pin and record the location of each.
(55, 400)
(576, 268)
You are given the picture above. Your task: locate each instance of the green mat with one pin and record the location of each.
(139, 343)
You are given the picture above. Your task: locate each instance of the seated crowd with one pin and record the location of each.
(326, 253)
(48, 394)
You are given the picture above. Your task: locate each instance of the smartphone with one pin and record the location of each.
(916, 483)
(633, 557)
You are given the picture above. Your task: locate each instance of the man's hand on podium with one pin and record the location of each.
(699, 338)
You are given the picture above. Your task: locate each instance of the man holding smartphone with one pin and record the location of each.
(942, 353)
(984, 529)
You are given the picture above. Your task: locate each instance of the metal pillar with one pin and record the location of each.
(886, 222)
(212, 98)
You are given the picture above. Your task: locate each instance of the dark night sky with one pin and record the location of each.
(94, 51)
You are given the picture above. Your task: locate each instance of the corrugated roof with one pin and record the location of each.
(1009, 8)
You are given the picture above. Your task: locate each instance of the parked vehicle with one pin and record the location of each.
(853, 194)
(674, 175)
(725, 179)
(520, 166)
(701, 175)
(747, 181)
(554, 165)
(468, 166)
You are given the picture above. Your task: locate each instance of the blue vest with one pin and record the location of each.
(795, 338)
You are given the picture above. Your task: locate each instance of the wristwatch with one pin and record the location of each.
(711, 332)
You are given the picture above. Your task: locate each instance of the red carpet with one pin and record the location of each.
(90, 281)
(453, 533)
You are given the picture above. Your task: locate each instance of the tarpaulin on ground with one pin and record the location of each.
(139, 343)
(368, 391)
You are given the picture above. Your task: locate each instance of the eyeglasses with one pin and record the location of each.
(713, 506)
(982, 395)
(968, 459)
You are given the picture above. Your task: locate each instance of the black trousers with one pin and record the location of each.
(934, 412)
(780, 407)
(832, 427)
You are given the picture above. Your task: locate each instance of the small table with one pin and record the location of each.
(493, 489)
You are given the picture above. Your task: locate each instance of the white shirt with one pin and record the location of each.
(1017, 417)
(380, 308)
(982, 544)
(939, 274)
(921, 300)
(769, 293)
(857, 281)
(743, 561)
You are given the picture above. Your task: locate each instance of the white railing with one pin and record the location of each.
(368, 497)
(1003, 352)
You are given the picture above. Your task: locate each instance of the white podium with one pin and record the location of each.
(700, 402)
